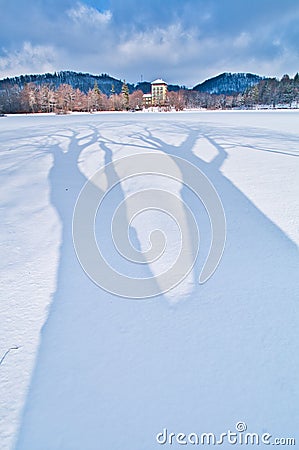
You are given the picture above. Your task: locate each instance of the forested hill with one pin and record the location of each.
(228, 83)
(78, 80)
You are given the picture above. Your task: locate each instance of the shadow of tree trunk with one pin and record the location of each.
(111, 373)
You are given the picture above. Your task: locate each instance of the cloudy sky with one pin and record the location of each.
(183, 41)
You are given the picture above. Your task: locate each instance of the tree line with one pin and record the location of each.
(33, 98)
(268, 93)
(46, 98)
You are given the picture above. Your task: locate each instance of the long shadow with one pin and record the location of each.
(111, 373)
(77, 324)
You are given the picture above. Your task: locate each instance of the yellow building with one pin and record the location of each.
(159, 92)
(158, 95)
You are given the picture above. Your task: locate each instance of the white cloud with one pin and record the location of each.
(157, 44)
(243, 40)
(177, 49)
(28, 59)
(84, 14)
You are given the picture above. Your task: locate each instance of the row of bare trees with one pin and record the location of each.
(33, 98)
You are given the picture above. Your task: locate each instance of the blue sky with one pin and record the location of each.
(183, 41)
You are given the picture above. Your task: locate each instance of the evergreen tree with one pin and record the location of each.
(97, 96)
(113, 96)
(125, 95)
(96, 88)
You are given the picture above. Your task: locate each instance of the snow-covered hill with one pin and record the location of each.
(228, 83)
(78, 80)
(90, 370)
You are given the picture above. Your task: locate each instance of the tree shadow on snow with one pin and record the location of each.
(111, 373)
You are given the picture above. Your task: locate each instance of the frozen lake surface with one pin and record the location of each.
(85, 369)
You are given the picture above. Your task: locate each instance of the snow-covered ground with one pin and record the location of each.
(89, 370)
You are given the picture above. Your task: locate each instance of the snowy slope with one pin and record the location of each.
(228, 83)
(94, 371)
(78, 80)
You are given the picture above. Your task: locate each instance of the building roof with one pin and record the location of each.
(147, 95)
(159, 81)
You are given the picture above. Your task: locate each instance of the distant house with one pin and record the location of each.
(158, 95)
(147, 99)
